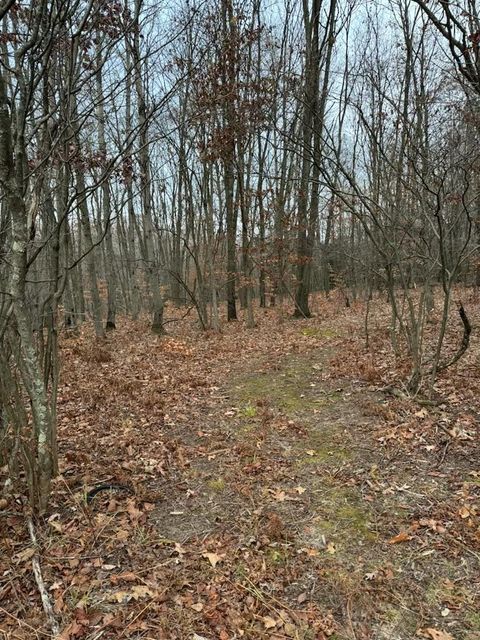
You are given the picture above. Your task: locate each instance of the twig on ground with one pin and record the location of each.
(37, 571)
(444, 452)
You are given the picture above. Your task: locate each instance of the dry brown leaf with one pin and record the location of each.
(141, 591)
(437, 634)
(213, 558)
(57, 526)
(403, 536)
(122, 535)
(423, 413)
(73, 630)
(127, 576)
(58, 602)
(120, 596)
(24, 555)
(134, 513)
(269, 622)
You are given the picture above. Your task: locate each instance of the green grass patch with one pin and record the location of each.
(315, 332)
(217, 484)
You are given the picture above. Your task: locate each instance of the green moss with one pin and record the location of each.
(248, 427)
(344, 518)
(433, 594)
(240, 571)
(289, 390)
(324, 527)
(275, 556)
(472, 618)
(326, 455)
(391, 614)
(325, 445)
(315, 332)
(218, 484)
(438, 593)
(355, 519)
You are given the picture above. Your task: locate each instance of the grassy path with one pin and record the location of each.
(276, 494)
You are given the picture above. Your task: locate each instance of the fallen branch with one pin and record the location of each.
(37, 572)
(107, 486)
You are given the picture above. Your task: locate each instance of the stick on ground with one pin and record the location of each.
(37, 571)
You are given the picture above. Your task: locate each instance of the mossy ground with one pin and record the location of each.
(340, 523)
(290, 389)
(268, 457)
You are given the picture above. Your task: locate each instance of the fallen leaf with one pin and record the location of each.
(464, 512)
(436, 634)
(120, 596)
(122, 535)
(127, 576)
(57, 526)
(300, 490)
(403, 536)
(134, 513)
(24, 555)
(73, 630)
(197, 607)
(213, 558)
(423, 413)
(140, 591)
(58, 604)
(269, 622)
(331, 548)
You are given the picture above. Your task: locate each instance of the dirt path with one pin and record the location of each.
(293, 471)
(276, 494)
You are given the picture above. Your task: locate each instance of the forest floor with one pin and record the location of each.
(276, 489)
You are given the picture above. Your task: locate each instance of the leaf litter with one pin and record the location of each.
(277, 491)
